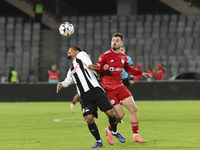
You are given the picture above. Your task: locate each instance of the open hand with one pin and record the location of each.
(144, 74)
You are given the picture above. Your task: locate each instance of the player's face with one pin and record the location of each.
(116, 43)
(71, 53)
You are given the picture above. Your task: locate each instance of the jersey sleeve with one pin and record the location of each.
(100, 63)
(68, 80)
(130, 70)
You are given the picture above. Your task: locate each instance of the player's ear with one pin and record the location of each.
(77, 52)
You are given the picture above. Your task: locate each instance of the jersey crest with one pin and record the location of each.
(122, 60)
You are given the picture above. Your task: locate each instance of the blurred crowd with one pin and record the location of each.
(157, 74)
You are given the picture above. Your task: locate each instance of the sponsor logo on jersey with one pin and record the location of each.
(112, 60)
(73, 71)
(115, 69)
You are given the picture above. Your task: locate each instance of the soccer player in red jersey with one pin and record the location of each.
(111, 64)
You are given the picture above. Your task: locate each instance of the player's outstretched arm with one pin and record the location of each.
(59, 87)
(93, 67)
(144, 74)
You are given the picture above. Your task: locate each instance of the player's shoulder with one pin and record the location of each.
(80, 54)
(122, 53)
(106, 52)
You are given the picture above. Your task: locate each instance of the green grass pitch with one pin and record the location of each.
(165, 125)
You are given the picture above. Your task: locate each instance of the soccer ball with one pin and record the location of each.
(66, 29)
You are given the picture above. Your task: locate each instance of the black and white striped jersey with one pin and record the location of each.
(79, 74)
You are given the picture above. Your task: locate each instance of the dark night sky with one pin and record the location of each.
(97, 7)
(154, 7)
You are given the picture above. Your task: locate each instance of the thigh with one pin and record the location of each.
(89, 108)
(103, 102)
(119, 110)
(129, 103)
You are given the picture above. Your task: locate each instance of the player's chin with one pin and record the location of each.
(114, 48)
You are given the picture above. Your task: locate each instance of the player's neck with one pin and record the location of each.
(73, 57)
(116, 51)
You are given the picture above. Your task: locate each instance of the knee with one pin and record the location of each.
(89, 119)
(120, 116)
(110, 113)
(135, 109)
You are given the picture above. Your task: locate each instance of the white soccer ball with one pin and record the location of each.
(66, 29)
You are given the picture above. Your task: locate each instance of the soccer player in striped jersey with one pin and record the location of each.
(92, 93)
(77, 96)
(111, 64)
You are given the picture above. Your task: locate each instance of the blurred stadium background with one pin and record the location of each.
(156, 32)
(163, 32)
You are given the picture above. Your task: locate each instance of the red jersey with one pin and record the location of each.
(53, 75)
(160, 75)
(111, 78)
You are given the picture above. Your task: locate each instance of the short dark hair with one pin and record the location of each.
(77, 48)
(119, 35)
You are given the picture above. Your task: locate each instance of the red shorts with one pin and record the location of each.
(117, 95)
